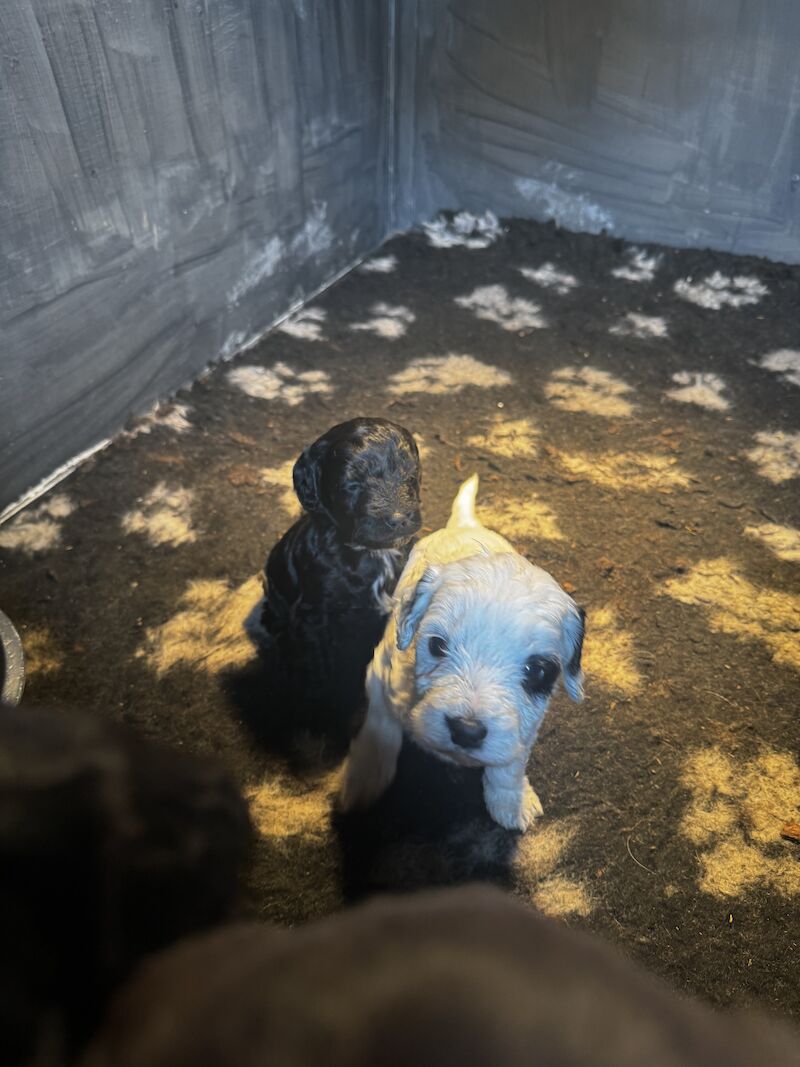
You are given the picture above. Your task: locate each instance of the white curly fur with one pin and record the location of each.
(466, 585)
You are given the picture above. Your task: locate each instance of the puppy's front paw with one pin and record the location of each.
(514, 809)
(364, 783)
(372, 763)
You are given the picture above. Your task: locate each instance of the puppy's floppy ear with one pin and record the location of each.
(413, 605)
(306, 475)
(574, 629)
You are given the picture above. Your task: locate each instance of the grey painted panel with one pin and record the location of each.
(676, 122)
(173, 176)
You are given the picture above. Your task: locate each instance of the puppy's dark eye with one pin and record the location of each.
(437, 646)
(539, 675)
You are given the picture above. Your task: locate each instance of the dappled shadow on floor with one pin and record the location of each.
(305, 735)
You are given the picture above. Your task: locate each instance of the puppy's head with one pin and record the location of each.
(490, 635)
(364, 475)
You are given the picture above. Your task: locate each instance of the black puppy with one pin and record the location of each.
(328, 580)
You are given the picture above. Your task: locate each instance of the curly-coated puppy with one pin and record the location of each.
(328, 581)
(111, 847)
(475, 645)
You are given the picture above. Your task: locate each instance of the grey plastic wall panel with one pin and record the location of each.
(174, 174)
(673, 120)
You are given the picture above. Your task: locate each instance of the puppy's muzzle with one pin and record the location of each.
(466, 733)
(404, 523)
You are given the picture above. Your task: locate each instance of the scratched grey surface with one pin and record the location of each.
(675, 122)
(173, 176)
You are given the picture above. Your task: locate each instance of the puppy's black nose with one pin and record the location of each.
(466, 733)
(403, 521)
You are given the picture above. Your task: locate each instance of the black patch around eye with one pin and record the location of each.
(437, 646)
(539, 675)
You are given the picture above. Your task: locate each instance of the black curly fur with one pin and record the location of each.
(327, 580)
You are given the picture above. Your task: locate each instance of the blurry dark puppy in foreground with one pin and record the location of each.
(328, 581)
(457, 977)
(110, 848)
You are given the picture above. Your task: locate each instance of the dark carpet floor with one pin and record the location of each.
(634, 418)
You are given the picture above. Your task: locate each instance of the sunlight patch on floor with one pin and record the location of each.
(720, 290)
(589, 390)
(305, 324)
(379, 265)
(494, 304)
(550, 277)
(645, 327)
(696, 387)
(784, 541)
(281, 478)
(640, 266)
(208, 632)
(736, 813)
(42, 654)
(510, 438)
(639, 471)
(37, 529)
(281, 808)
(280, 382)
(608, 652)
(776, 455)
(539, 853)
(464, 230)
(736, 606)
(785, 362)
(520, 518)
(446, 374)
(388, 321)
(164, 516)
(169, 416)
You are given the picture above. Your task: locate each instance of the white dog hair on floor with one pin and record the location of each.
(471, 653)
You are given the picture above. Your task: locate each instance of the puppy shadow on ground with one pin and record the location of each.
(430, 829)
(303, 737)
(306, 736)
(292, 710)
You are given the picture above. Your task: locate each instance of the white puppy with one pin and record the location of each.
(475, 643)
